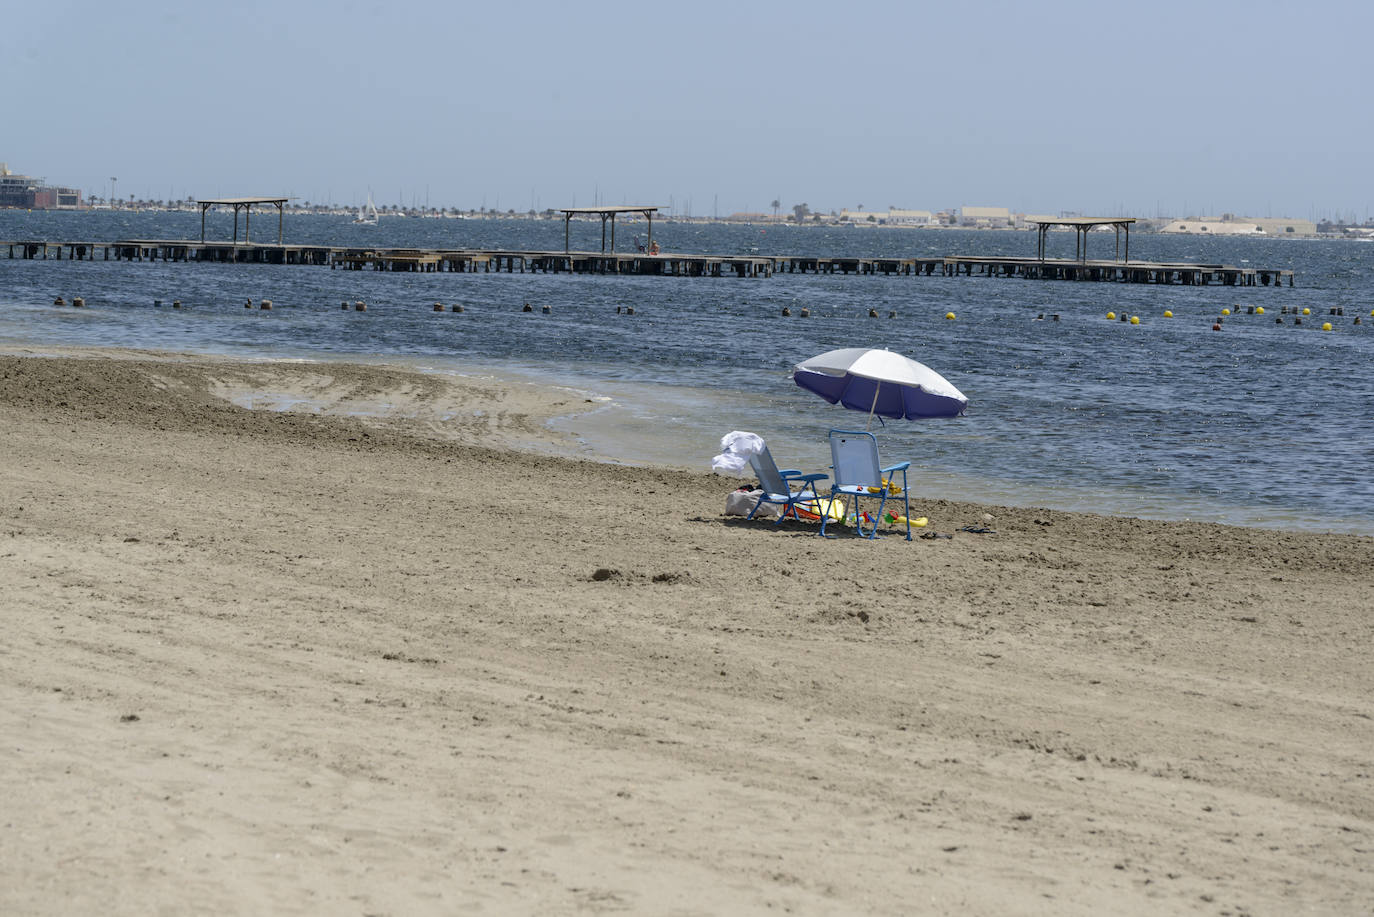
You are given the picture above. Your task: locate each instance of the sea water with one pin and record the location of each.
(1258, 424)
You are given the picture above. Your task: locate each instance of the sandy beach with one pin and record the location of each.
(390, 654)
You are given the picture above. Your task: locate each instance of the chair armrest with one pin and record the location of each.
(901, 466)
(789, 472)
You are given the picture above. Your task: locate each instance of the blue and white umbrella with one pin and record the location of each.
(880, 382)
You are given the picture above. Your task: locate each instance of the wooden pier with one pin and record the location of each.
(665, 264)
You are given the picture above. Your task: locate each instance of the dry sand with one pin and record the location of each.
(275, 662)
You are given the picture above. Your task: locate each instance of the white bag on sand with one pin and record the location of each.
(740, 502)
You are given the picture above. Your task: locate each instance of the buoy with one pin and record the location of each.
(1225, 311)
(547, 310)
(1168, 314)
(265, 304)
(1111, 316)
(457, 308)
(78, 302)
(360, 306)
(1306, 311)
(438, 307)
(1326, 326)
(949, 316)
(1259, 310)
(1135, 319)
(805, 313)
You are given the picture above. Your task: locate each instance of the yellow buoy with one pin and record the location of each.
(1225, 311)
(1111, 316)
(1135, 319)
(1306, 311)
(1326, 326)
(949, 315)
(1259, 310)
(1168, 314)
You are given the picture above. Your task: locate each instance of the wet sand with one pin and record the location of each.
(396, 657)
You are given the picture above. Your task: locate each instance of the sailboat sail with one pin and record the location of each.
(367, 215)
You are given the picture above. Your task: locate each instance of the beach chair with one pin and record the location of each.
(859, 476)
(777, 486)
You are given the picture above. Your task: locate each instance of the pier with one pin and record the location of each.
(663, 264)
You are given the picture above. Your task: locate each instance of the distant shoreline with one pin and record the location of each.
(1143, 225)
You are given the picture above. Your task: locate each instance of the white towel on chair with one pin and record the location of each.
(736, 448)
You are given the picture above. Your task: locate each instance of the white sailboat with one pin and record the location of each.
(367, 215)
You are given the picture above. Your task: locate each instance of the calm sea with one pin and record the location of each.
(1259, 424)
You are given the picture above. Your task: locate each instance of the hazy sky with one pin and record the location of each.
(1161, 107)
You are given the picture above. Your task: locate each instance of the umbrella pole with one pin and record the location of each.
(873, 407)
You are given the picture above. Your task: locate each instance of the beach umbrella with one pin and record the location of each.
(880, 382)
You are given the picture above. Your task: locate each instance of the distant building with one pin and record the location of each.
(29, 193)
(1285, 227)
(896, 217)
(892, 216)
(1228, 225)
(985, 217)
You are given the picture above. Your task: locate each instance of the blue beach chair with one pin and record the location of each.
(777, 485)
(859, 476)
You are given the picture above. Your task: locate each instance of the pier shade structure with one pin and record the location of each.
(245, 204)
(607, 213)
(1081, 227)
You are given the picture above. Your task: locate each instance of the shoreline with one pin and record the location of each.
(314, 662)
(618, 424)
(828, 223)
